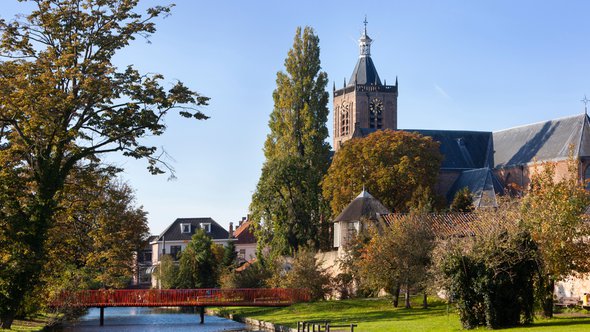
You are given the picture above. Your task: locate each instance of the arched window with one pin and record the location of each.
(344, 119)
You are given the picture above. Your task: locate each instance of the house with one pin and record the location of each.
(142, 265)
(356, 216)
(245, 241)
(176, 237)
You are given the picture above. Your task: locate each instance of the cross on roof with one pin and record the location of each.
(585, 101)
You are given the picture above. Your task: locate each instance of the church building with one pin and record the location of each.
(484, 162)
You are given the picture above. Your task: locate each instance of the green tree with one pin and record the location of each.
(198, 265)
(305, 272)
(167, 272)
(62, 103)
(287, 206)
(397, 167)
(491, 275)
(230, 256)
(553, 213)
(463, 201)
(399, 254)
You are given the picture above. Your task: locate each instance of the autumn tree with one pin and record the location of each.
(399, 254)
(305, 271)
(97, 228)
(287, 206)
(395, 166)
(197, 267)
(64, 103)
(553, 213)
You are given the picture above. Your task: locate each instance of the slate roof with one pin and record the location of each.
(482, 183)
(173, 232)
(364, 72)
(462, 149)
(543, 141)
(364, 206)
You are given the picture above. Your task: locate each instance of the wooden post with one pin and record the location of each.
(202, 314)
(352, 327)
(101, 316)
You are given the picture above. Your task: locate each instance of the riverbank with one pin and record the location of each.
(379, 315)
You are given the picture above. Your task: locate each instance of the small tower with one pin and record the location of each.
(364, 104)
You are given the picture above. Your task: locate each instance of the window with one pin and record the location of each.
(242, 255)
(185, 228)
(175, 252)
(344, 119)
(206, 227)
(353, 229)
(336, 235)
(587, 178)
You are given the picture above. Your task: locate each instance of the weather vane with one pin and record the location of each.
(585, 101)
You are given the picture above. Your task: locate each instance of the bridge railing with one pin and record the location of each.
(183, 297)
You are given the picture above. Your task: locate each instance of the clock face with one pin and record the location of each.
(376, 106)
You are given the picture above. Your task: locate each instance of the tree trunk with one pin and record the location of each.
(547, 301)
(396, 296)
(425, 301)
(408, 297)
(6, 320)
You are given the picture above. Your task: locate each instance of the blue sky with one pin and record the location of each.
(473, 65)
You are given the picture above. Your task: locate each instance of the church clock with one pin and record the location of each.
(375, 109)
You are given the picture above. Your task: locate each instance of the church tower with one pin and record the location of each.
(364, 104)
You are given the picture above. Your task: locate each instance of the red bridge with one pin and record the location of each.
(259, 297)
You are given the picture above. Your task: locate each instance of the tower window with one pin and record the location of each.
(344, 119)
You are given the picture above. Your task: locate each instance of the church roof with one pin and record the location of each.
(483, 185)
(364, 72)
(543, 141)
(462, 149)
(364, 206)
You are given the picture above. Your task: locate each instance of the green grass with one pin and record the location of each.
(36, 324)
(379, 315)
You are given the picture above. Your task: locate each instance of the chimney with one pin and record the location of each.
(231, 229)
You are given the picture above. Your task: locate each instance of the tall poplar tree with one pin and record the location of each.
(287, 206)
(63, 104)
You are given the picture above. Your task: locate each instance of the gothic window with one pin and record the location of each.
(376, 114)
(344, 119)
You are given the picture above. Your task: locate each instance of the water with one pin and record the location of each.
(150, 319)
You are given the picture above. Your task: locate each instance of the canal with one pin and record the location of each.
(132, 319)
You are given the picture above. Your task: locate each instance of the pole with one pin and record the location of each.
(101, 316)
(202, 314)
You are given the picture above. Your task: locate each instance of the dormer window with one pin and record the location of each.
(206, 227)
(185, 228)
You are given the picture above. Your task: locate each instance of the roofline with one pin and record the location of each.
(540, 122)
(445, 130)
(535, 162)
(170, 226)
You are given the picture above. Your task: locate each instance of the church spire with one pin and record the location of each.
(365, 72)
(365, 41)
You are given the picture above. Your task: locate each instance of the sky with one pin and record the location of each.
(466, 65)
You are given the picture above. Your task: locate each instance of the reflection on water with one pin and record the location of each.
(150, 319)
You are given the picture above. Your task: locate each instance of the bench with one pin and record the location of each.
(568, 302)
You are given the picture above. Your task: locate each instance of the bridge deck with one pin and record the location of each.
(259, 297)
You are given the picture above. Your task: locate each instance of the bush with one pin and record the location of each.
(305, 272)
(254, 276)
(490, 276)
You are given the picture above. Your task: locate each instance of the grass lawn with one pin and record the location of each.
(379, 315)
(32, 325)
